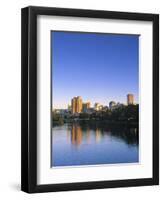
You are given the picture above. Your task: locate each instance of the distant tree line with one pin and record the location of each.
(128, 113)
(57, 119)
(123, 113)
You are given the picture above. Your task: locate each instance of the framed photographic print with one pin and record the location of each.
(90, 99)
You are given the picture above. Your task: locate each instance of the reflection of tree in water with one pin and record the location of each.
(81, 130)
(128, 134)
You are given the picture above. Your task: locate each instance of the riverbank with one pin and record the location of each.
(96, 121)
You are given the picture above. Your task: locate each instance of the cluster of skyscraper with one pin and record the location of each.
(78, 106)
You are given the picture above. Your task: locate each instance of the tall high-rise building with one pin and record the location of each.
(79, 104)
(76, 105)
(73, 105)
(69, 107)
(97, 107)
(86, 106)
(130, 99)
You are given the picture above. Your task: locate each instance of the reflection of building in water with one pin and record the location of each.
(88, 135)
(76, 135)
(68, 134)
(98, 135)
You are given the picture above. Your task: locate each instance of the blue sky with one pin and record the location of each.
(97, 67)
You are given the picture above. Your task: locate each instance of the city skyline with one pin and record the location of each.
(77, 103)
(99, 67)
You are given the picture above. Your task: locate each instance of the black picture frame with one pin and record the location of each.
(29, 99)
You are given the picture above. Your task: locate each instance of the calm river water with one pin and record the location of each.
(94, 143)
